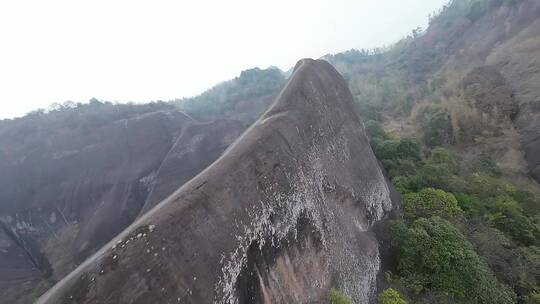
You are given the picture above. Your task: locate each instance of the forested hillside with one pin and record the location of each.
(242, 98)
(452, 112)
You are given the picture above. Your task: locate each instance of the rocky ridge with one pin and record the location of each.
(286, 213)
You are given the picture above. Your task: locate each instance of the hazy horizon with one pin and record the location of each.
(136, 51)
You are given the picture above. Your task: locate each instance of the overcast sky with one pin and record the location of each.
(131, 50)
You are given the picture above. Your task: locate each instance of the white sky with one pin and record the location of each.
(131, 50)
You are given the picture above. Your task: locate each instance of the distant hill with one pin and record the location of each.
(243, 98)
(75, 176)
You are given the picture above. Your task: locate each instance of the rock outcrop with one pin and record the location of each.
(78, 189)
(284, 214)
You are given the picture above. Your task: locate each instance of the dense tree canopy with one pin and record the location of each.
(435, 256)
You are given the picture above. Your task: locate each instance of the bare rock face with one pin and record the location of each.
(184, 160)
(74, 191)
(284, 214)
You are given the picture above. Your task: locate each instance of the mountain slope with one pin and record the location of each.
(429, 73)
(453, 115)
(74, 178)
(286, 213)
(243, 98)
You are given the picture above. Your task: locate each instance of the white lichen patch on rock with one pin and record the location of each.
(276, 217)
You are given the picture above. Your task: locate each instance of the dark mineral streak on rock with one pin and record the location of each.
(283, 215)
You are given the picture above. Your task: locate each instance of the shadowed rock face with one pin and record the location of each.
(184, 160)
(284, 214)
(93, 184)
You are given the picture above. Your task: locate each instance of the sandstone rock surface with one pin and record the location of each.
(66, 191)
(284, 214)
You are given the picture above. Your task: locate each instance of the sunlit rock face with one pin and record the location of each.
(283, 215)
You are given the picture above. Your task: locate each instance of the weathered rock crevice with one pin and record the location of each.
(280, 265)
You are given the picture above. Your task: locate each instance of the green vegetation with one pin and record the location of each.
(435, 256)
(377, 84)
(468, 234)
(507, 215)
(437, 127)
(395, 149)
(75, 116)
(232, 98)
(390, 296)
(533, 298)
(464, 235)
(337, 297)
(430, 202)
(478, 8)
(397, 154)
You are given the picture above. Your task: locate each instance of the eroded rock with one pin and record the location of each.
(286, 213)
(85, 186)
